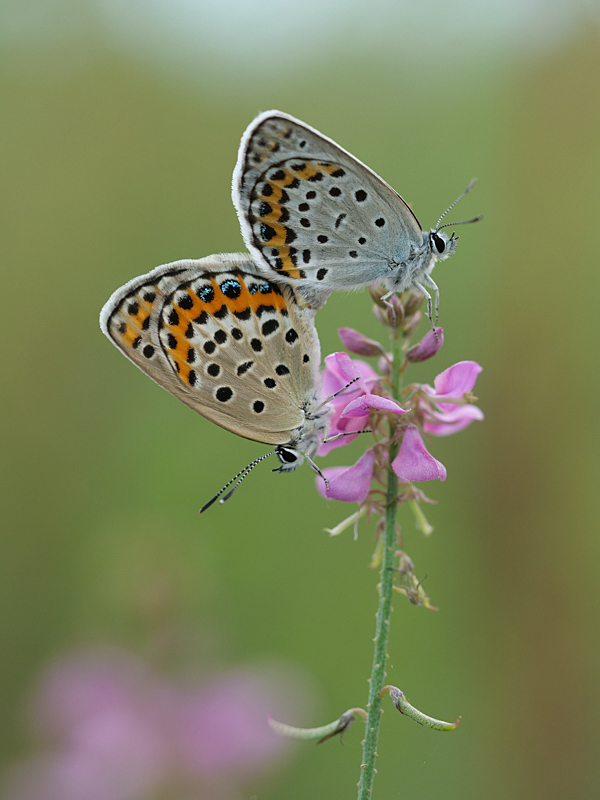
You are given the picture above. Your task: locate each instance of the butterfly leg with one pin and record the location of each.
(424, 291)
(328, 439)
(432, 285)
(316, 469)
(385, 299)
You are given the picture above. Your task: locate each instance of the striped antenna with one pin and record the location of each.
(241, 475)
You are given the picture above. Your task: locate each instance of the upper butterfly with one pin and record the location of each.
(316, 217)
(230, 344)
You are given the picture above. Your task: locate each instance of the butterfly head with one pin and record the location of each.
(290, 458)
(440, 245)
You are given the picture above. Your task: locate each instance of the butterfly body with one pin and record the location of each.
(232, 345)
(314, 216)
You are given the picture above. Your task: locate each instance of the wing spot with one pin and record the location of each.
(306, 256)
(149, 297)
(189, 331)
(256, 345)
(291, 336)
(148, 351)
(360, 195)
(231, 288)
(146, 323)
(335, 191)
(353, 254)
(322, 238)
(236, 333)
(339, 220)
(185, 302)
(321, 274)
(306, 358)
(220, 337)
(362, 240)
(269, 327)
(213, 370)
(206, 293)
(244, 314)
(122, 327)
(281, 369)
(338, 173)
(278, 175)
(380, 222)
(136, 342)
(303, 207)
(222, 312)
(209, 348)
(224, 393)
(192, 378)
(173, 317)
(172, 341)
(305, 222)
(311, 195)
(191, 355)
(258, 406)
(270, 383)
(243, 368)
(133, 309)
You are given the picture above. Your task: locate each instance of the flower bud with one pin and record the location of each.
(413, 300)
(355, 342)
(412, 323)
(427, 347)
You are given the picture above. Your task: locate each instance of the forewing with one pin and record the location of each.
(313, 214)
(230, 344)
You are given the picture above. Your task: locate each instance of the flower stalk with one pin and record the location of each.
(384, 610)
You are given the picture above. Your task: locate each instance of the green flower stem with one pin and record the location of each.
(385, 597)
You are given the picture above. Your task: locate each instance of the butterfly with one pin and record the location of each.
(232, 345)
(314, 216)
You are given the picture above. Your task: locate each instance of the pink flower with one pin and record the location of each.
(452, 384)
(350, 484)
(414, 462)
(355, 342)
(427, 347)
(339, 370)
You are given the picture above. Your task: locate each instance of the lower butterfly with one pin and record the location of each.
(232, 345)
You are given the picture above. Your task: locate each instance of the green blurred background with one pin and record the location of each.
(120, 130)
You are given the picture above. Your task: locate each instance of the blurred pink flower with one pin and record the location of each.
(348, 483)
(414, 462)
(115, 731)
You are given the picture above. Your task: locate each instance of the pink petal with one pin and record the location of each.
(362, 405)
(359, 344)
(414, 462)
(350, 484)
(427, 347)
(445, 423)
(458, 379)
(340, 369)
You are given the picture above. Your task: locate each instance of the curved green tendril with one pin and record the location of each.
(404, 707)
(339, 726)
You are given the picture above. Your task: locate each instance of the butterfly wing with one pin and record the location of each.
(227, 342)
(314, 215)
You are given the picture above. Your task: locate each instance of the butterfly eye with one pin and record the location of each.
(287, 456)
(439, 243)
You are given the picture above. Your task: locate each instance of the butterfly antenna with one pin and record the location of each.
(241, 475)
(339, 391)
(458, 199)
(464, 222)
